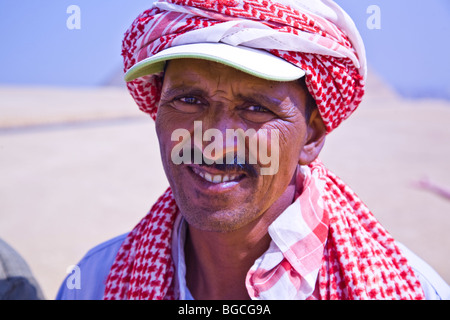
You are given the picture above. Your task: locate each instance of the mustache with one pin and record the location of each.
(227, 164)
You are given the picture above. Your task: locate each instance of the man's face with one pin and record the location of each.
(226, 197)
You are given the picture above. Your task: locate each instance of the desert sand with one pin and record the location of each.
(79, 166)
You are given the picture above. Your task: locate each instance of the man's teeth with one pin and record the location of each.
(216, 178)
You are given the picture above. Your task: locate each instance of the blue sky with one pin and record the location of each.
(410, 51)
(38, 48)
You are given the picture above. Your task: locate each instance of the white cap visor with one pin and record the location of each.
(258, 63)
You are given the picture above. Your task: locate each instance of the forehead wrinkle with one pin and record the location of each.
(189, 79)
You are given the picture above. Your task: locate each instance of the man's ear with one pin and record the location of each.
(315, 139)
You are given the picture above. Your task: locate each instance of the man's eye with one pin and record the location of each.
(257, 114)
(189, 100)
(187, 104)
(257, 109)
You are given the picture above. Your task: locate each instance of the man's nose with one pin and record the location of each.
(217, 129)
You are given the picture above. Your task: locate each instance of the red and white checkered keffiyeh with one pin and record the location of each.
(358, 259)
(321, 40)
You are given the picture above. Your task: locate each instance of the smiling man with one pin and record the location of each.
(225, 98)
(233, 215)
(243, 94)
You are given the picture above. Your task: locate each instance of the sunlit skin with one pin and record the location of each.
(228, 221)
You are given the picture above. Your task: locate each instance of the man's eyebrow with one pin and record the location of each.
(182, 89)
(256, 97)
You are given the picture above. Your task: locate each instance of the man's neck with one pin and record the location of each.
(217, 263)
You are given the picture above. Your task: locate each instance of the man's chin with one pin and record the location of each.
(215, 218)
(213, 205)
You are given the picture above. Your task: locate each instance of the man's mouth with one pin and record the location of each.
(217, 176)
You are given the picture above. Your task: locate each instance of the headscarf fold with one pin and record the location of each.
(360, 258)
